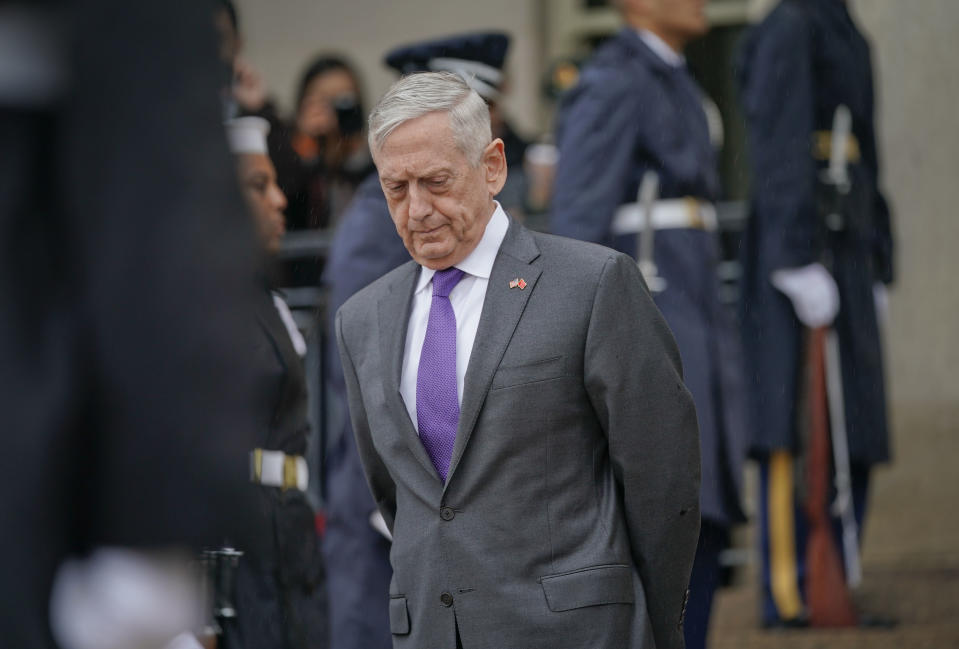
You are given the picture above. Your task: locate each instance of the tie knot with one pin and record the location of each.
(444, 281)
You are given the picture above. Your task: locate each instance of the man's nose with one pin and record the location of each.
(420, 204)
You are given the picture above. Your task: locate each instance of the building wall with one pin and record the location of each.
(917, 91)
(282, 36)
(917, 95)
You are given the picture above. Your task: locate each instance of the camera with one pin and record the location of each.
(349, 114)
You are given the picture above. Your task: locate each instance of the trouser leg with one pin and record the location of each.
(703, 583)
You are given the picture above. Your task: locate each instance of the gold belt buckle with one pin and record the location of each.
(256, 465)
(289, 472)
(822, 146)
(852, 148)
(694, 214)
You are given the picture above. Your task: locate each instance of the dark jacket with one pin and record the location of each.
(281, 590)
(806, 58)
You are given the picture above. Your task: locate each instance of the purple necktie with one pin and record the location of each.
(437, 403)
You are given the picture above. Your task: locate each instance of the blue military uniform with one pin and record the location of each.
(633, 112)
(357, 556)
(365, 247)
(805, 59)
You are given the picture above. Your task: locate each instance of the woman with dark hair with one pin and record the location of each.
(321, 156)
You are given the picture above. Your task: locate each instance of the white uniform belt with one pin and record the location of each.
(277, 469)
(630, 218)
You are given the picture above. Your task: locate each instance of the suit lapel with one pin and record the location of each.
(502, 309)
(394, 317)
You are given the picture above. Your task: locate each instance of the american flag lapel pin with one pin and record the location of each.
(514, 283)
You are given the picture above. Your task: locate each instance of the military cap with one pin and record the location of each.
(477, 57)
(247, 134)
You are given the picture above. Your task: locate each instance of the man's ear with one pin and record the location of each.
(494, 165)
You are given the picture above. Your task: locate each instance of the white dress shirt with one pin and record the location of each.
(467, 298)
(659, 47)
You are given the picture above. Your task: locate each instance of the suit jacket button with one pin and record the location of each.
(447, 513)
(446, 600)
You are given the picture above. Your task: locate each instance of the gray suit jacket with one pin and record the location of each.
(571, 511)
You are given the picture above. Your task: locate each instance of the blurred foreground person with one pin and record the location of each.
(124, 297)
(280, 591)
(637, 123)
(531, 504)
(802, 269)
(364, 248)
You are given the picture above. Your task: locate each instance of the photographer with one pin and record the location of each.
(321, 155)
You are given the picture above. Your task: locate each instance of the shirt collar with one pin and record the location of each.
(659, 47)
(478, 263)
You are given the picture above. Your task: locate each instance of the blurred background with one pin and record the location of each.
(917, 91)
(294, 79)
(911, 549)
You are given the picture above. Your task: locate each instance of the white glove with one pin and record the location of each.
(813, 292)
(120, 599)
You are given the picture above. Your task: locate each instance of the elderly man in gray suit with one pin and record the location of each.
(519, 409)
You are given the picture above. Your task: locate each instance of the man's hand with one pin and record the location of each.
(248, 89)
(813, 292)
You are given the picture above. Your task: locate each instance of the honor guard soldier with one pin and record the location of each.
(806, 76)
(637, 123)
(280, 591)
(364, 248)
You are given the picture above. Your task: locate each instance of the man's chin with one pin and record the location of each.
(436, 263)
(432, 255)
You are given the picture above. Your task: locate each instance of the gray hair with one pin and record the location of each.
(423, 93)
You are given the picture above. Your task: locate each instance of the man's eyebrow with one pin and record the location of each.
(439, 171)
(429, 173)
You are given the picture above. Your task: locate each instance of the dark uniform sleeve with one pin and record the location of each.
(633, 375)
(596, 135)
(778, 102)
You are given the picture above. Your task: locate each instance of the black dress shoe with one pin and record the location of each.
(800, 622)
(872, 621)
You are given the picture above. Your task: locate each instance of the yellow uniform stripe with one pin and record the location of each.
(784, 580)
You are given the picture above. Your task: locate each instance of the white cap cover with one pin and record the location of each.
(482, 78)
(247, 134)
